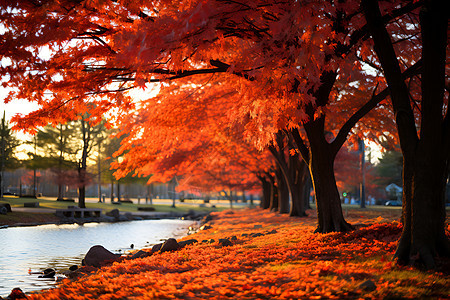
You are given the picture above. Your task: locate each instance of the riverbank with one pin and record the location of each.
(44, 212)
(255, 254)
(27, 218)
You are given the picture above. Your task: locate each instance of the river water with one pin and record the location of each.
(60, 246)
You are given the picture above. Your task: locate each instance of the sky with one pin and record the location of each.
(12, 108)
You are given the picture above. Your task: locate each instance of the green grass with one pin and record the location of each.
(124, 207)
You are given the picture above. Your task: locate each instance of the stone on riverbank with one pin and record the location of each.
(98, 256)
(225, 242)
(113, 213)
(129, 216)
(170, 245)
(140, 254)
(187, 242)
(16, 293)
(205, 227)
(156, 247)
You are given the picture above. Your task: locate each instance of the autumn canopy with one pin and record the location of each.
(244, 93)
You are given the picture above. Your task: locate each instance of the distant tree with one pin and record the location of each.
(349, 174)
(7, 145)
(88, 132)
(58, 148)
(110, 146)
(389, 168)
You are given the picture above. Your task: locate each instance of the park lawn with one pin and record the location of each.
(273, 257)
(124, 207)
(32, 218)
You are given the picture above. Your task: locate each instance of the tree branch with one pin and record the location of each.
(302, 148)
(372, 103)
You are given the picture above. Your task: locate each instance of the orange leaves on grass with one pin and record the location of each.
(288, 261)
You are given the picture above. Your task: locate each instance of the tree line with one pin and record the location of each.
(245, 85)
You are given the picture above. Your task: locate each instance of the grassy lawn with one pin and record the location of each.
(124, 207)
(39, 217)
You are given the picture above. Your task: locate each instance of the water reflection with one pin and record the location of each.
(60, 246)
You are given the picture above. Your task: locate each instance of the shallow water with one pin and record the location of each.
(60, 246)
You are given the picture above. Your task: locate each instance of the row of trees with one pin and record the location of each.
(64, 149)
(244, 84)
(58, 149)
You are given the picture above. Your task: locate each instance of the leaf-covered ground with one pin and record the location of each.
(272, 257)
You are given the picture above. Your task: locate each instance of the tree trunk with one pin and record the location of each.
(265, 201)
(404, 245)
(60, 191)
(301, 188)
(86, 133)
(329, 210)
(306, 192)
(321, 167)
(118, 191)
(426, 159)
(283, 192)
(289, 173)
(273, 195)
(82, 197)
(112, 190)
(60, 161)
(81, 187)
(298, 168)
(99, 173)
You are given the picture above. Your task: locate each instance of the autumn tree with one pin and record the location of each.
(200, 153)
(286, 63)
(89, 136)
(348, 171)
(58, 147)
(426, 151)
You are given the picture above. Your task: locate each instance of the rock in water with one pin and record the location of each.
(48, 273)
(98, 255)
(73, 268)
